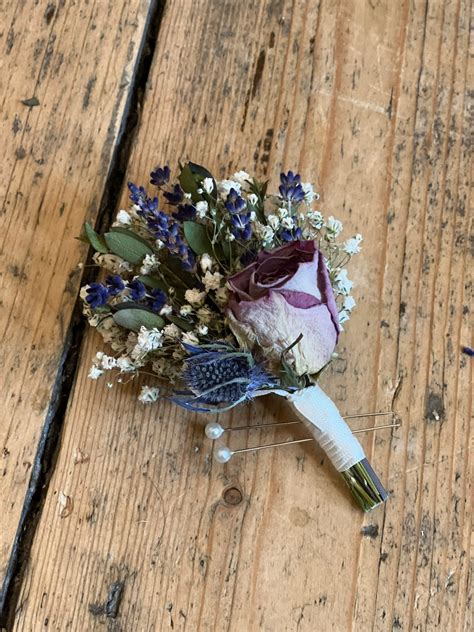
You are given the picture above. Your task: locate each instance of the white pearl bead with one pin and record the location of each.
(213, 430)
(222, 454)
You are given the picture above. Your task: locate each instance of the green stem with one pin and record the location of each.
(364, 485)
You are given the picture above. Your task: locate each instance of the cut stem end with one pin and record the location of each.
(365, 486)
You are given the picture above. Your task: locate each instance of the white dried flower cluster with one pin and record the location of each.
(208, 185)
(149, 395)
(149, 264)
(111, 263)
(202, 209)
(212, 280)
(224, 187)
(194, 296)
(352, 246)
(123, 218)
(103, 362)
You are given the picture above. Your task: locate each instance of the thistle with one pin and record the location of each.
(219, 375)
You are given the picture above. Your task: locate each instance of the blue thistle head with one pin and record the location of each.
(219, 378)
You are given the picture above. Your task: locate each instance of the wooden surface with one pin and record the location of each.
(77, 60)
(369, 100)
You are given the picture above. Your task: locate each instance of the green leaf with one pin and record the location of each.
(154, 283)
(128, 246)
(191, 178)
(94, 239)
(226, 249)
(131, 317)
(197, 237)
(130, 233)
(173, 272)
(31, 102)
(180, 322)
(288, 376)
(189, 184)
(199, 171)
(260, 190)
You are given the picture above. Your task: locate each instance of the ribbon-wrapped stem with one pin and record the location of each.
(322, 418)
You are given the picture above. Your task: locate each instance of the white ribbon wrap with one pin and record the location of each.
(322, 418)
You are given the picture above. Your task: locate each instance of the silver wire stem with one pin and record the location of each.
(293, 441)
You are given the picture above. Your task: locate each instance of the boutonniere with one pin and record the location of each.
(224, 292)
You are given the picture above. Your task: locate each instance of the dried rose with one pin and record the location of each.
(284, 293)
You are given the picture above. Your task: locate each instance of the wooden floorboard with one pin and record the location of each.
(66, 72)
(370, 101)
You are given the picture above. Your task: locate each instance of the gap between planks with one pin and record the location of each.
(47, 450)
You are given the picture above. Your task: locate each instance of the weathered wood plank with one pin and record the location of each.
(76, 60)
(421, 581)
(369, 100)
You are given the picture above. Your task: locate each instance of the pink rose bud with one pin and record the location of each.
(285, 293)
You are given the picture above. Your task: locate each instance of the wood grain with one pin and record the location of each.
(76, 60)
(369, 100)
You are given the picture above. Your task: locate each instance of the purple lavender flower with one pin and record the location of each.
(115, 284)
(139, 197)
(241, 228)
(291, 235)
(97, 295)
(137, 290)
(185, 212)
(160, 176)
(240, 220)
(234, 202)
(290, 187)
(175, 196)
(162, 226)
(156, 299)
(137, 194)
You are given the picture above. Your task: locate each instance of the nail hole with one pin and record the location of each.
(232, 496)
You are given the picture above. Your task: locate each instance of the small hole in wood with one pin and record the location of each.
(232, 496)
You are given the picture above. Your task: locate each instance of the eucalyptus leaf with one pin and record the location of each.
(197, 237)
(191, 178)
(130, 233)
(173, 270)
(128, 246)
(226, 248)
(94, 239)
(199, 171)
(134, 318)
(154, 282)
(180, 322)
(189, 184)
